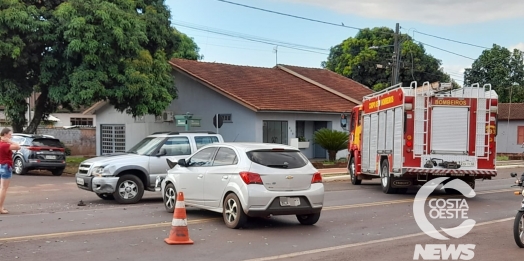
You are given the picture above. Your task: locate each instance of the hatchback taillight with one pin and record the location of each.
(317, 178)
(250, 177)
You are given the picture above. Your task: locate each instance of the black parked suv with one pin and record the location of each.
(40, 152)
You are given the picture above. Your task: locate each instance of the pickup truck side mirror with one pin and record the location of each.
(182, 162)
(162, 152)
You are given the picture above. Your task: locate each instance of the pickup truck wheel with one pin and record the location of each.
(18, 167)
(170, 198)
(352, 170)
(129, 189)
(232, 212)
(309, 219)
(105, 196)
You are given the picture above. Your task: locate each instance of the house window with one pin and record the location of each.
(300, 127)
(82, 121)
(113, 138)
(226, 118)
(520, 135)
(275, 132)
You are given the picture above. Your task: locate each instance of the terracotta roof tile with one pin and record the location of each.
(272, 89)
(334, 80)
(516, 112)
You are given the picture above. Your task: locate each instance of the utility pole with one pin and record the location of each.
(395, 68)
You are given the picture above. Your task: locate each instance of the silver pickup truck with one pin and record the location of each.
(125, 176)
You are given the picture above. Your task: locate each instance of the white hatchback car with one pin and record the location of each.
(243, 180)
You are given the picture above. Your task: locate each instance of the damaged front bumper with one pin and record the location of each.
(98, 185)
(158, 183)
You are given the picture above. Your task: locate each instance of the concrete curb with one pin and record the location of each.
(346, 176)
(510, 166)
(336, 178)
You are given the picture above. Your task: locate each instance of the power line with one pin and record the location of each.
(444, 50)
(451, 40)
(273, 43)
(244, 36)
(290, 15)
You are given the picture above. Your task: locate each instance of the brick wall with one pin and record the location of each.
(81, 141)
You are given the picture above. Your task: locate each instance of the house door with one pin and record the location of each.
(319, 152)
(113, 138)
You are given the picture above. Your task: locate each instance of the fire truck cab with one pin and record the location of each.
(407, 136)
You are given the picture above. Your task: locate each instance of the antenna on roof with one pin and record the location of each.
(276, 54)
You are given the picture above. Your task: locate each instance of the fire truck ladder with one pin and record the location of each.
(422, 101)
(482, 133)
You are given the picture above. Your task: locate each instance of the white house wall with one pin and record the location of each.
(507, 137)
(204, 102)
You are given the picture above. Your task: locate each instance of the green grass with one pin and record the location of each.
(75, 159)
(502, 158)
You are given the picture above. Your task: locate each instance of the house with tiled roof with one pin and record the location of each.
(510, 134)
(272, 105)
(60, 118)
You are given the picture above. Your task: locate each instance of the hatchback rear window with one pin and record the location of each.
(278, 158)
(47, 143)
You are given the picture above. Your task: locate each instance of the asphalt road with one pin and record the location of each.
(357, 223)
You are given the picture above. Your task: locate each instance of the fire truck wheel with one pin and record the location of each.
(352, 170)
(402, 190)
(385, 178)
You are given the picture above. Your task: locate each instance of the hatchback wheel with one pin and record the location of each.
(18, 167)
(309, 219)
(170, 197)
(233, 214)
(129, 190)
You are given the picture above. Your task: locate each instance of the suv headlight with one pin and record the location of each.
(100, 171)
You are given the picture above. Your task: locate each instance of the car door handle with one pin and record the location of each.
(200, 176)
(225, 177)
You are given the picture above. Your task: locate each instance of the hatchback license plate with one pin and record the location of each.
(289, 202)
(50, 156)
(80, 181)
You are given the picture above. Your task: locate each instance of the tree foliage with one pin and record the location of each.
(355, 59)
(503, 69)
(188, 49)
(78, 52)
(331, 140)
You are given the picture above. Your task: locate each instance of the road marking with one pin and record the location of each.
(164, 224)
(319, 250)
(382, 203)
(96, 231)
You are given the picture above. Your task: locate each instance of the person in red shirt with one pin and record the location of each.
(6, 164)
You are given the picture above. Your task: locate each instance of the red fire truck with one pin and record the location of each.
(407, 136)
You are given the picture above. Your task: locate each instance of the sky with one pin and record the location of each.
(478, 23)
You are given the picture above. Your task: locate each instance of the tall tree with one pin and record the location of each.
(188, 49)
(78, 52)
(503, 69)
(367, 58)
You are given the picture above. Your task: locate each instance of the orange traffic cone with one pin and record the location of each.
(179, 234)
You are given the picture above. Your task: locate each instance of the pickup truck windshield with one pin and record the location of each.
(146, 146)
